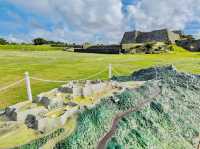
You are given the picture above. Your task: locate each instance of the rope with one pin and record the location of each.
(50, 81)
(115, 71)
(94, 75)
(11, 85)
(59, 81)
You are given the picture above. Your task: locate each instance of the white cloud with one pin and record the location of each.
(156, 14)
(104, 20)
(35, 6)
(79, 17)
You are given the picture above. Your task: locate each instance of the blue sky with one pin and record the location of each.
(100, 21)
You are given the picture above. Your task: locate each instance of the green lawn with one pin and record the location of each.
(29, 48)
(60, 65)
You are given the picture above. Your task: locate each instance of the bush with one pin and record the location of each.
(3, 41)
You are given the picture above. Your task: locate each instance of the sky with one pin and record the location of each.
(96, 21)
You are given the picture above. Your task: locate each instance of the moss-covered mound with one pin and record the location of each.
(168, 120)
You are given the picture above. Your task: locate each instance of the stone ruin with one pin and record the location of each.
(163, 35)
(191, 45)
(52, 109)
(74, 89)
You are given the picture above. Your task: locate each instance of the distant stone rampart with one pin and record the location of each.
(163, 35)
(191, 45)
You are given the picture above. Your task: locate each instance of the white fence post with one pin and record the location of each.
(28, 86)
(110, 71)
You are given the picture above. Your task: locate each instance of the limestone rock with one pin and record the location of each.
(66, 115)
(50, 100)
(21, 115)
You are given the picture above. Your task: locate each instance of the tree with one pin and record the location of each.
(39, 41)
(3, 41)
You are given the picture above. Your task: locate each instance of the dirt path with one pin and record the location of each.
(103, 142)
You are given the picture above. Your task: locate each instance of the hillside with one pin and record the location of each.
(163, 113)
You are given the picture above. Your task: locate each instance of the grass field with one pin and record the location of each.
(29, 48)
(60, 65)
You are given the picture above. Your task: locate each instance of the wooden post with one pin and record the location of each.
(28, 86)
(110, 71)
(156, 72)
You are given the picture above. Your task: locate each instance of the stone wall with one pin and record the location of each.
(174, 36)
(129, 37)
(191, 45)
(21, 115)
(158, 36)
(103, 49)
(154, 36)
(88, 89)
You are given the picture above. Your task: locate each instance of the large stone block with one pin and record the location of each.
(48, 124)
(11, 111)
(87, 91)
(21, 115)
(77, 91)
(42, 124)
(66, 88)
(67, 114)
(50, 103)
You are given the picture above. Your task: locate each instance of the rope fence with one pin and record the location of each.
(11, 85)
(110, 70)
(49, 81)
(28, 78)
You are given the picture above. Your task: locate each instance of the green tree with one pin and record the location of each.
(3, 41)
(39, 41)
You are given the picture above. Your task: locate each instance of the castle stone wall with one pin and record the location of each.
(173, 36)
(155, 36)
(191, 45)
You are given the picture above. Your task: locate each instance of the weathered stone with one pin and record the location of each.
(66, 88)
(48, 124)
(38, 118)
(67, 114)
(87, 90)
(77, 91)
(31, 121)
(50, 103)
(11, 111)
(42, 124)
(72, 104)
(20, 115)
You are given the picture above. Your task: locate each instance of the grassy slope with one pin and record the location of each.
(59, 65)
(17, 137)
